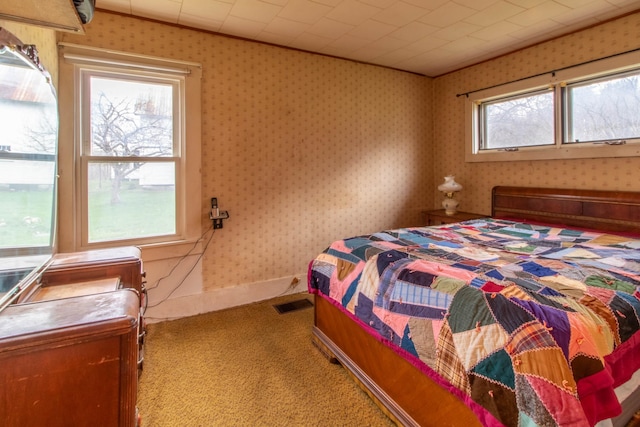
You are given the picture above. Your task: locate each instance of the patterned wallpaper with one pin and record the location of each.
(301, 149)
(478, 178)
(304, 149)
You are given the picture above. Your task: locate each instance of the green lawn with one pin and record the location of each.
(25, 216)
(139, 213)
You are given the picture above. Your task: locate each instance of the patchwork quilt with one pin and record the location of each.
(533, 325)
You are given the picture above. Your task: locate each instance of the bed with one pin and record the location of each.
(527, 317)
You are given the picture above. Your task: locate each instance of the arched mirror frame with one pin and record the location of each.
(30, 170)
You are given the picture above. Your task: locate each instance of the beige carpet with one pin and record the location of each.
(247, 366)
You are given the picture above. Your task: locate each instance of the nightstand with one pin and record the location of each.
(438, 216)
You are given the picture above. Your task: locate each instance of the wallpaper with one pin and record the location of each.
(301, 149)
(477, 179)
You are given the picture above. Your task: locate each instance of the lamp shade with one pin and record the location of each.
(449, 185)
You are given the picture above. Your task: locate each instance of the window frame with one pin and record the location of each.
(556, 81)
(78, 63)
(87, 158)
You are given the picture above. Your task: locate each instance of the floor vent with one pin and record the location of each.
(293, 306)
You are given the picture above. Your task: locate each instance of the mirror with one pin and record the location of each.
(28, 172)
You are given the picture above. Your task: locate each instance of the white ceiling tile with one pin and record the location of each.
(425, 36)
(528, 4)
(465, 44)
(624, 3)
(456, 31)
(446, 15)
(331, 3)
(164, 10)
(590, 11)
(497, 12)
(387, 43)
(505, 44)
(538, 14)
(242, 27)
(122, 6)
(382, 4)
(206, 9)
(353, 12)
(367, 54)
(496, 31)
(427, 44)
(414, 31)
(372, 30)
(395, 56)
(575, 4)
(255, 10)
(272, 38)
(310, 42)
(628, 6)
(329, 28)
(476, 4)
(400, 14)
(304, 11)
(286, 28)
(349, 42)
(535, 32)
(427, 4)
(430, 59)
(276, 2)
(201, 22)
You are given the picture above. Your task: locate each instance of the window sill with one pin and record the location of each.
(586, 151)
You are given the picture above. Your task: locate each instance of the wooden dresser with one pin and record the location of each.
(71, 350)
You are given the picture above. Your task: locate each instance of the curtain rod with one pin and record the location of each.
(552, 72)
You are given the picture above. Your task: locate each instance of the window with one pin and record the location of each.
(132, 159)
(518, 121)
(130, 154)
(587, 111)
(603, 110)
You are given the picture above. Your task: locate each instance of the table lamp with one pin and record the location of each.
(449, 188)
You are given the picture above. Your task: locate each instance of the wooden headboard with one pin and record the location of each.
(595, 209)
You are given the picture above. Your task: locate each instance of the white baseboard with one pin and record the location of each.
(221, 298)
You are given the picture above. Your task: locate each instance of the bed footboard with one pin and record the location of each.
(410, 397)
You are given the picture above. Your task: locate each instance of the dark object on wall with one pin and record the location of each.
(85, 9)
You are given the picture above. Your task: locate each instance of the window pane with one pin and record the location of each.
(129, 200)
(523, 121)
(131, 118)
(27, 197)
(605, 110)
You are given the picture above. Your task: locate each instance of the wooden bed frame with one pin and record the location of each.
(409, 397)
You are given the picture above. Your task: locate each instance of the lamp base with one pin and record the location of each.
(450, 205)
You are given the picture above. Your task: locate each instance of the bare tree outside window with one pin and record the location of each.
(605, 110)
(522, 121)
(132, 128)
